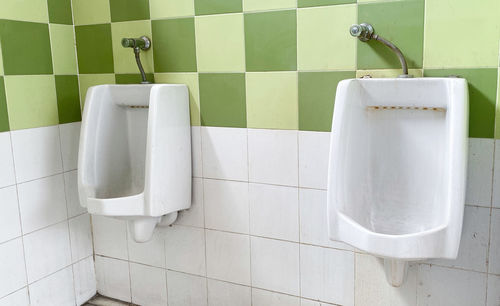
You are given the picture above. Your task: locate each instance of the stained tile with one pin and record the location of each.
(260, 5)
(60, 11)
(91, 11)
(171, 8)
(174, 48)
(25, 47)
(316, 98)
(62, 39)
(271, 41)
(68, 98)
(90, 58)
(126, 10)
(402, 23)
(124, 58)
(482, 97)
(4, 116)
(222, 99)
(205, 7)
(308, 3)
(130, 78)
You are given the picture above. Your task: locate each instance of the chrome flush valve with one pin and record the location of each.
(363, 32)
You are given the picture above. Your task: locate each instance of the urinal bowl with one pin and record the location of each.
(397, 170)
(135, 154)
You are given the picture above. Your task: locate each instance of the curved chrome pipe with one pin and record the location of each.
(138, 44)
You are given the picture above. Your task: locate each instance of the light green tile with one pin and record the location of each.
(220, 45)
(260, 5)
(388, 73)
(323, 38)
(191, 81)
(91, 11)
(1, 59)
(89, 80)
(27, 109)
(25, 10)
(497, 115)
(62, 39)
(123, 58)
(272, 100)
(170, 8)
(461, 33)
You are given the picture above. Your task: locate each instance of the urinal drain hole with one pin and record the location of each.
(424, 108)
(138, 106)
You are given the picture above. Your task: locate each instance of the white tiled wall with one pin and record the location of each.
(45, 237)
(256, 235)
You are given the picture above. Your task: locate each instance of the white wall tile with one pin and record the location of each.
(112, 277)
(72, 200)
(185, 249)
(273, 157)
(110, 237)
(80, 237)
(70, 140)
(7, 175)
(494, 256)
(445, 286)
(12, 269)
(268, 298)
(196, 151)
(151, 252)
(274, 211)
(479, 172)
(47, 251)
(227, 294)
(42, 203)
(373, 289)
(493, 298)
(224, 153)
(10, 226)
(194, 216)
(226, 205)
(149, 285)
(314, 148)
(56, 289)
(18, 298)
(84, 279)
(275, 265)
(327, 275)
(496, 176)
(473, 251)
(186, 289)
(37, 153)
(228, 257)
(314, 220)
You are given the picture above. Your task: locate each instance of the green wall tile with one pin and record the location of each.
(309, 3)
(94, 48)
(89, 80)
(190, 79)
(29, 110)
(25, 47)
(272, 100)
(124, 58)
(133, 78)
(205, 7)
(271, 41)
(62, 39)
(259, 5)
(322, 39)
(91, 11)
(60, 11)
(388, 73)
(68, 98)
(26, 10)
(126, 10)
(497, 115)
(4, 117)
(1, 56)
(477, 28)
(171, 8)
(401, 22)
(220, 45)
(222, 99)
(174, 47)
(482, 96)
(316, 98)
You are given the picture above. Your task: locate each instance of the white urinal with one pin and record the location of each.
(135, 154)
(397, 172)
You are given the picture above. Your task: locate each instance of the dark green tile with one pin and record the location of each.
(482, 97)
(4, 117)
(402, 23)
(222, 99)
(125, 10)
(174, 45)
(94, 48)
(308, 3)
(68, 98)
(25, 47)
(133, 78)
(60, 11)
(205, 7)
(271, 41)
(316, 98)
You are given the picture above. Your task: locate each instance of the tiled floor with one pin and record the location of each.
(100, 300)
